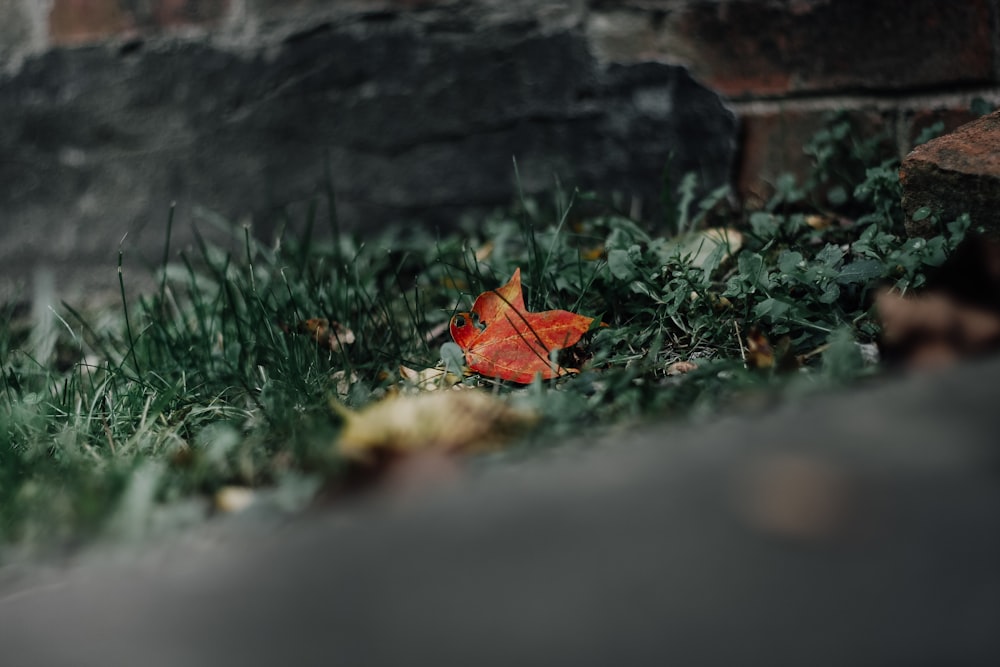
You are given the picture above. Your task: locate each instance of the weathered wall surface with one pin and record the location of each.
(418, 111)
(112, 109)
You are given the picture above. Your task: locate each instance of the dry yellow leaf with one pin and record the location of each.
(450, 422)
(429, 379)
(760, 354)
(344, 381)
(819, 222)
(233, 499)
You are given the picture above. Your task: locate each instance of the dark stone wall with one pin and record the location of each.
(417, 113)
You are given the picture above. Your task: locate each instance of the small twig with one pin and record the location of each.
(436, 331)
(739, 339)
(819, 350)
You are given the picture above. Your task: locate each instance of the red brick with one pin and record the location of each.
(956, 173)
(950, 118)
(773, 144)
(758, 48)
(78, 21)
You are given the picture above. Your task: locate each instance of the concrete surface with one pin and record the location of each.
(853, 529)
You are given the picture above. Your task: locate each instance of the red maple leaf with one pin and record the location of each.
(502, 339)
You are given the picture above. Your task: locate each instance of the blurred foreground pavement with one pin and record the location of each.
(856, 529)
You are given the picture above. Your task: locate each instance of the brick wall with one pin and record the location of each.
(893, 65)
(75, 21)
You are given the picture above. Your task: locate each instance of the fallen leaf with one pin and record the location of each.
(819, 222)
(934, 329)
(957, 316)
(760, 354)
(330, 335)
(233, 499)
(681, 367)
(344, 381)
(719, 303)
(501, 339)
(429, 379)
(451, 422)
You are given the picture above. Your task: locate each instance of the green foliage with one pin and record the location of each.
(204, 383)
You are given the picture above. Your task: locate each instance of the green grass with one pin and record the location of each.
(198, 385)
